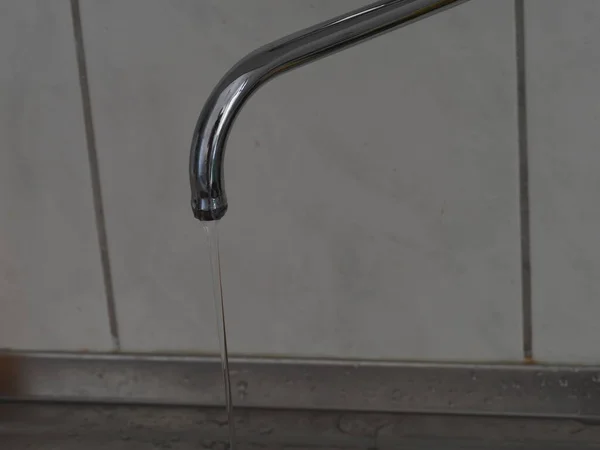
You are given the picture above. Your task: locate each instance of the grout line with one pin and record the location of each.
(524, 180)
(95, 173)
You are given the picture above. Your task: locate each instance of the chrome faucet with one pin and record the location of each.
(209, 201)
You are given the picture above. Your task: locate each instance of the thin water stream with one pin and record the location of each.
(212, 236)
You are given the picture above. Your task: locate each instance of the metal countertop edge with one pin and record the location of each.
(527, 390)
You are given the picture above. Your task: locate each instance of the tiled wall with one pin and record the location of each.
(374, 202)
(564, 144)
(51, 289)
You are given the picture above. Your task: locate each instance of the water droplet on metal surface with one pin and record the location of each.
(242, 389)
(265, 430)
(398, 395)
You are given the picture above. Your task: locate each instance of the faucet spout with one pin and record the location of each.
(209, 201)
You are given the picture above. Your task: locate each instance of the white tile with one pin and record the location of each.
(373, 195)
(563, 69)
(51, 288)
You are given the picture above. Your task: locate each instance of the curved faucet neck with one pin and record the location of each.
(209, 201)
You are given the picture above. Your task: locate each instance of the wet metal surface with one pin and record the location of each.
(528, 390)
(112, 427)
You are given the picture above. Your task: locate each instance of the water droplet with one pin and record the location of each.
(398, 395)
(265, 430)
(242, 389)
(563, 382)
(473, 376)
(516, 385)
(596, 378)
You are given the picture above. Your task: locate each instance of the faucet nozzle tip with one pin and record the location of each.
(208, 209)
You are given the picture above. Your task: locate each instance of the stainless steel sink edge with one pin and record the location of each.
(301, 384)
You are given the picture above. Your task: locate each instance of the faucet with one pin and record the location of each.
(209, 201)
